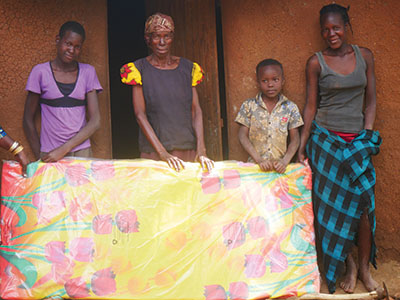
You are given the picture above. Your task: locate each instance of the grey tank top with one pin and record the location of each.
(168, 98)
(341, 101)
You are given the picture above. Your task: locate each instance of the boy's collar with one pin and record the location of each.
(281, 98)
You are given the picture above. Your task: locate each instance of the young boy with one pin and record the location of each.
(64, 89)
(266, 120)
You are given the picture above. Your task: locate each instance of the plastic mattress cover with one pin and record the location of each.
(136, 229)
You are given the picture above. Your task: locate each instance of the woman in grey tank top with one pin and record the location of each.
(165, 100)
(338, 119)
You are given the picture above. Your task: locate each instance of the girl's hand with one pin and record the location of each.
(173, 161)
(206, 163)
(55, 155)
(23, 159)
(266, 165)
(280, 166)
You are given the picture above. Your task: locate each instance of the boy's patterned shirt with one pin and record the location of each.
(268, 131)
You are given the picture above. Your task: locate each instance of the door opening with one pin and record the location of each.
(125, 44)
(221, 80)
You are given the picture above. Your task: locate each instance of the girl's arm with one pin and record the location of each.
(197, 124)
(313, 70)
(141, 117)
(294, 137)
(265, 165)
(86, 132)
(370, 90)
(31, 106)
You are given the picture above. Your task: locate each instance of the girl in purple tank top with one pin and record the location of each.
(63, 89)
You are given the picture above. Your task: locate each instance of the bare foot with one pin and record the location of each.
(350, 279)
(366, 278)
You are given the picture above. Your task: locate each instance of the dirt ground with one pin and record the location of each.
(388, 271)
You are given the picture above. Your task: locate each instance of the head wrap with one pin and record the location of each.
(159, 22)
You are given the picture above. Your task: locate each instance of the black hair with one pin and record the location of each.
(337, 9)
(268, 62)
(74, 27)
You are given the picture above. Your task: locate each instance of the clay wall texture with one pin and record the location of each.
(288, 30)
(28, 29)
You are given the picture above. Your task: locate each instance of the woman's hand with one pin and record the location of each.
(301, 156)
(23, 159)
(206, 163)
(313, 70)
(17, 150)
(173, 161)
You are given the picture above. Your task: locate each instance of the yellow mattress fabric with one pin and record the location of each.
(136, 229)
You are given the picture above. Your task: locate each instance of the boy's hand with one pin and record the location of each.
(266, 165)
(280, 166)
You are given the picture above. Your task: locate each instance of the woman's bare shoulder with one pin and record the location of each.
(313, 63)
(367, 53)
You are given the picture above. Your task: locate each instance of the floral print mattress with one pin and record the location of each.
(136, 229)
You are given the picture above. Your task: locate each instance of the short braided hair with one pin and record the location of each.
(337, 9)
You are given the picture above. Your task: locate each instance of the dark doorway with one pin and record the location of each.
(125, 44)
(221, 78)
